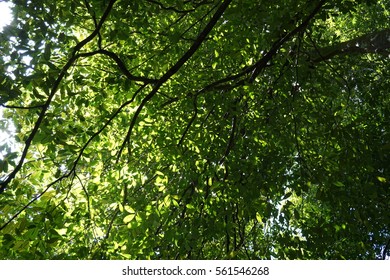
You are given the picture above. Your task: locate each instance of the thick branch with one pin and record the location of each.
(376, 42)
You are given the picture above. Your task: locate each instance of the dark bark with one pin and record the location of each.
(377, 42)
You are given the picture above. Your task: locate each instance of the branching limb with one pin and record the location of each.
(176, 67)
(34, 199)
(53, 91)
(262, 63)
(239, 79)
(73, 169)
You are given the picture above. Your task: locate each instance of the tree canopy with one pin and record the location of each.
(195, 129)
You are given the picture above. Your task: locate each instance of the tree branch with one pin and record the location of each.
(176, 67)
(259, 65)
(256, 68)
(53, 91)
(121, 65)
(376, 42)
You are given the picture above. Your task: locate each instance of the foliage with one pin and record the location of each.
(196, 130)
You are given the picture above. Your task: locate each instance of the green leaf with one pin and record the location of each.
(338, 184)
(381, 179)
(182, 129)
(128, 218)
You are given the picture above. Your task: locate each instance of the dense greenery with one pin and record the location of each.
(203, 129)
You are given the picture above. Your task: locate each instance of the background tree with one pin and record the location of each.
(196, 129)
